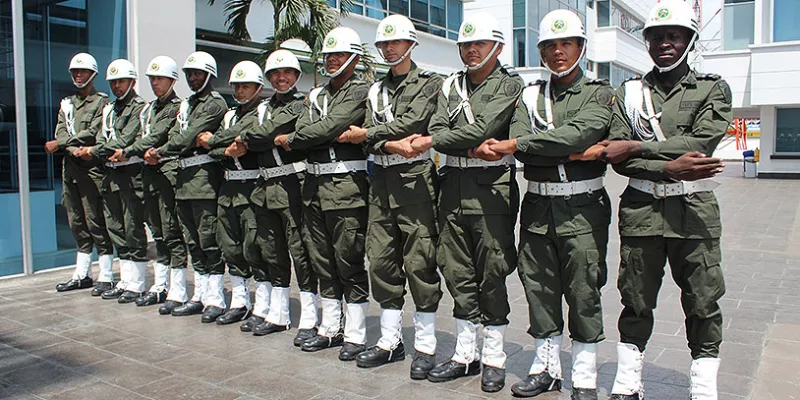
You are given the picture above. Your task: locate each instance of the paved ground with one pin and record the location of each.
(73, 346)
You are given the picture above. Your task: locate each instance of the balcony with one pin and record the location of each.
(612, 44)
(734, 67)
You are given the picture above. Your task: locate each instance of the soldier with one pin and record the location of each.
(237, 221)
(335, 195)
(122, 181)
(662, 129)
(479, 200)
(402, 231)
(156, 120)
(79, 121)
(197, 184)
(566, 212)
(278, 207)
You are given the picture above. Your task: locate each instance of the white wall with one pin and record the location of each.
(734, 67)
(775, 73)
(767, 146)
(502, 11)
(614, 44)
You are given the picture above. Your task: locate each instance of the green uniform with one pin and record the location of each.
(477, 206)
(402, 231)
(335, 205)
(81, 193)
(685, 229)
(236, 229)
(563, 238)
(157, 118)
(277, 200)
(197, 186)
(122, 185)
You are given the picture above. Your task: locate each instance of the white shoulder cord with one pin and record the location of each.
(183, 115)
(228, 121)
(462, 93)
(264, 113)
(313, 103)
(384, 115)
(145, 117)
(69, 115)
(108, 122)
(530, 96)
(637, 94)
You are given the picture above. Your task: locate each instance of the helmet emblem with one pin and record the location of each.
(388, 30)
(469, 29)
(113, 70)
(330, 42)
(78, 60)
(190, 60)
(559, 26)
(240, 73)
(663, 14)
(154, 67)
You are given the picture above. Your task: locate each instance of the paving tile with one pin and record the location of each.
(73, 354)
(46, 379)
(95, 335)
(267, 384)
(204, 367)
(12, 359)
(188, 389)
(124, 372)
(145, 350)
(361, 382)
(98, 391)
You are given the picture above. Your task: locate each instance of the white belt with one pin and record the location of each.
(337, 167)
(283, 170)
(565, 188)
(663, 190)
(196, 160)
(132, 160)
(242, 175)
(396, 159)
(466, 162)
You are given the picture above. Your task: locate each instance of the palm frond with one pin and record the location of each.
(368, 62)
(236, 12)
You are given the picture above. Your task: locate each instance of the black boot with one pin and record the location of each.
(319, 342)
(584, 394)
(265, 328)
(251, 323)
(234, 315)
(624, 397)
(350, 351)
(112, 294)
(376, 356)
(190, 308)
(128, 297)
(101, 287)
(493, 379)
(535, 385)
(151, 298)
(422, 365)
(168, 306)
(452, 369)
(303, 335)
(211, 313)
(72, 284)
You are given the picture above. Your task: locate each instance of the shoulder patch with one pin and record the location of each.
(101, 94)
(360, 93)
(510, 70)
(512, 88)
(540, 82)
(298, 107)
(709, 77)
(430, 88)
(597, 82)
(427, 73)
(138, 99)
(726, 91)
(604, 95)
(214, 108)
(216, 94)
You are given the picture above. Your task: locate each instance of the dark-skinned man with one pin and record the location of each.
(122, 182)
(198, 181)
(663, 127)
(237, 220)
(156, 120)
(478, 201)
(80, 118)
(278, 206)
(566, 212)
(335, 195)
(402, 231)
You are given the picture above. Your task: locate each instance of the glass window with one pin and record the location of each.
(533, 49)
(455, 14)
(620, 74)
(374, 13)
(333, 4)
(603, 13)
(739, 25)
(533, 14)
(785, 22)
(519, 48)
(626, 21)
(603, 71)
(787, 132)
(419, 10)
(438, 16)
(518, 8)
(399, 6)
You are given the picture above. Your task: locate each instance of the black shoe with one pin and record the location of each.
(452, 369)
(251, 322)
(151, 298)
(634, 396)
(168, 306)
(111, 294)
(535, 385)
(350, 351)
(493, 379)
(265, 328)
(303, 335)
(319, 342)
(101, 287)
(72, 284)
(128, 297)
(189, 308)
(422, 365)
(211, 313)
(376, 356)
(584, 394)
(234, 315)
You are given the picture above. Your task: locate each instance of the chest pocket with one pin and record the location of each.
(120, 122)
(685, 120)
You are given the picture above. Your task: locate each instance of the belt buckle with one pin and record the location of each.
(542, 188)
(463, 162)
(313, 168)
(655, 190)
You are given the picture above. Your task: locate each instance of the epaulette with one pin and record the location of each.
(633, 78)
(597, 82)
(138, 99)
(175, 100)
(427, 73)
(101, 94)
(216, 94)
(299, 96)
(540, 82)
(709, 77)
(511, 71)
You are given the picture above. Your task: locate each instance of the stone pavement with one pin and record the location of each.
(73, 346)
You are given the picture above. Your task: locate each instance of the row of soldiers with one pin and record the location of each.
(284, 181)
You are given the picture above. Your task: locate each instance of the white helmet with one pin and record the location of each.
(120, 69)
(477, 27)
(247, 72)
(282, 58)
(163, 66)
(673, 13)
(396, 27)
(342, 40)
(83, 61)
(562, 24)
(202, 61)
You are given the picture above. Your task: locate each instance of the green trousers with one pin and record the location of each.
(83, 202)
(198, 220)
(236, 236)
(696, 269)
(161, 215)
(124, 210)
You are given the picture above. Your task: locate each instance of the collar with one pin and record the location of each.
(281, 99)
(573, 87)
(689, 79)
(411, 77)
